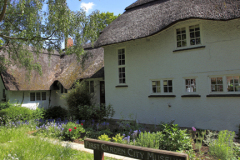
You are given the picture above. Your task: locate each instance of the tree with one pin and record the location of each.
(28, 26)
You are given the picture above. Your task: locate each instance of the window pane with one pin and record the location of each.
(158, 89)
(32, 96)
(184, 43)
(170, 89)
(123, 62)
(91, 86)
(181, 37)
(213, 80)
(219, 80)
(38, 96)
(165, 89)
(44, 97)
(154, 89)
(169, 82)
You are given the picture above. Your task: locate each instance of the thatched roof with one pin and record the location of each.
(148, 17)
(65, 69)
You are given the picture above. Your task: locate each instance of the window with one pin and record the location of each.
(44, 96)
(188, 37)
(90, 86)
(190, 85)
(217, 84)
(233, 84)
(156, 88)
(38, 96)
(32, 96)
(66, 91)
(61, 88)
(167, 84)
(121, 66)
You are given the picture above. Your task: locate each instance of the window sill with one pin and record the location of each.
(189, 96)
(161, 96)
(223, 95)
(189, 48)
(121, 86)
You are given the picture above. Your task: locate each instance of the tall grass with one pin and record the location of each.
(16, 144)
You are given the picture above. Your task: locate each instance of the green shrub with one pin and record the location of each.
(118, 138)
(15, 114)
(38, 113)
(174, 139)
(104, 137)
(4, 105)
(72, 131)
(222, 148)
(97, 113)
(55, 112)
(91, 133)
(150, 140)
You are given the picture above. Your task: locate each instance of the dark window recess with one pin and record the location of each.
(91, 86)
(38, 96)
(61, 88)
(44, 96)
(32, 96)
(4, 94)
(66, 91)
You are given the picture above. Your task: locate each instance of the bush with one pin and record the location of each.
(15, 114)
(38, 113)
(150, 140)
(55, 112)
(104, 137)
(95, 112)
(78, 96)
(222, 148)
(72, 130)
(118, 138)
(174, 139)
(4, 105)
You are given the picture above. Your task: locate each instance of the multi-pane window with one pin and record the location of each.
(168, 86)
(44, 96)
(156, 88)
(194, 35)
(233, 84)
(91, 87)
(181, 37)
(217, 84)
(32, 96)
(38, 96)
(121, 66)
(188, 37)
(190, 85)
(4, 94)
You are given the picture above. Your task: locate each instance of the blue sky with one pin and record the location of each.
(115, 6)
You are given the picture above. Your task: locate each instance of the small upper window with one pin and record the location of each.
(217, 84)
(121, 57)
(190, 85)
(168, 87)
(188, 37)
(233, 84)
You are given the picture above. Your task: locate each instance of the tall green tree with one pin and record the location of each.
(28, 26)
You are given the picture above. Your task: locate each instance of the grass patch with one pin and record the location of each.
(16, 144)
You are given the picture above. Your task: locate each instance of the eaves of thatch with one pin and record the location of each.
(148, 17)
(66, 70)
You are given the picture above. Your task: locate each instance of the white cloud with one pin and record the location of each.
(87, 6)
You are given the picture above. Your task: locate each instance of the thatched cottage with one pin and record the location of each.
(175, 60)
(59, 74)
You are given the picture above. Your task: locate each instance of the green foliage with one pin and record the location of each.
(222, 148)
(118, 138)
(4, 105)
(199, 140)
(150, 140)
(15, 114)
(104, 137)
(210, 137)
(55, 112)
(91, 133)
(38, 113)
(236, 151)
(174, 138)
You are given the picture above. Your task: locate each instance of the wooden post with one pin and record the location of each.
(98, 155)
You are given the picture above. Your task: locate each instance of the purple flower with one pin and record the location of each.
(194, 129)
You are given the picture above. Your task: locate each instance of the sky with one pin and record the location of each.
(115, 6)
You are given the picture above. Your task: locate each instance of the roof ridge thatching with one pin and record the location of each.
(148, 17)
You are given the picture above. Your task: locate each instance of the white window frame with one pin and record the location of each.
(225, 91)
(187, 26)
(162, 87)
(35, 93)
(121, 66)
(184, 85)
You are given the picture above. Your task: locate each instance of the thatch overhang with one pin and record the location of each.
(62, 69)
(148, 17)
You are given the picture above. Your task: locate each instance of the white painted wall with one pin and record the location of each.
(153, 58)
(17, 97)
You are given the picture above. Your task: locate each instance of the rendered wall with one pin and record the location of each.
(153, 58)
(24, 98)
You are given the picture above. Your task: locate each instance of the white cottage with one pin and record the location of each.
(175, 60)
(59, 75)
